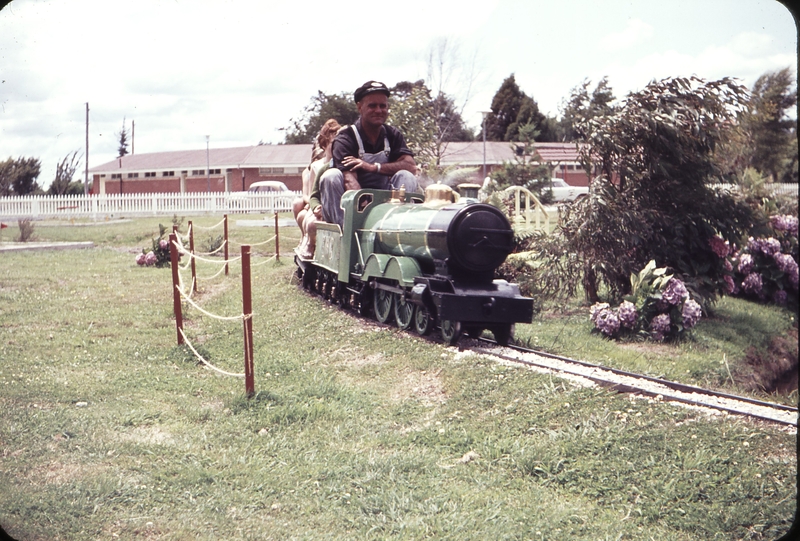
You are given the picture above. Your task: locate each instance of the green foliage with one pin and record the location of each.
(122, 150)
(511, 110)
(322, 108)
(772, 131)
(411, 112)
(65, 172)
(581, 108)
(655, 202)
(18, 177)
(527, 170)
(26, 230)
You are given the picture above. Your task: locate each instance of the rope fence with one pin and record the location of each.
(183, 294)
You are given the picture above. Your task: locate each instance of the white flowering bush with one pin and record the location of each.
(659, 307)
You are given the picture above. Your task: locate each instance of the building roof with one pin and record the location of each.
(455, 153)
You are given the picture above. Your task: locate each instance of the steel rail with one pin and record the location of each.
(675, 386)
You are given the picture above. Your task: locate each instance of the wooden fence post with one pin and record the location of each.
(277, 240)
(176, 295)
(247, 310)
(225, 234)
(191, 250)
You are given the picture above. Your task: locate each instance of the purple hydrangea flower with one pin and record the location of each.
(675, 292)
(784, 223)
(730, 286)
(779, 297)
(691, 313)
(596, 309)
(140, 259)
(627, 314)
(607, 321)
(745, 264)
(660, 326)
(163, 244)
(727, 265)
(752, 284)
(150, 258)
(719, 246)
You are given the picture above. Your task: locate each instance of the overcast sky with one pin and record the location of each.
(239, 71)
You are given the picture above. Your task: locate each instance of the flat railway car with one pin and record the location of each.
(424, 262)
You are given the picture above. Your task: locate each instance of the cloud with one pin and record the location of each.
(636, 32)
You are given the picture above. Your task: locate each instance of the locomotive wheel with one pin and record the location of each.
(423, 322)
(502, 334)
(382, 305)
(403, 311)
(451, 331)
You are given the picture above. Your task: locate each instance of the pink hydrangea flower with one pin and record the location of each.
(719, 246)
(140, 259)
(150, 258)
(163, 244)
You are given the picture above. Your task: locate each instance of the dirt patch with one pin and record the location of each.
(773, 370)
(424, 386)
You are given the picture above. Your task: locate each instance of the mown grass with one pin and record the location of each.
(110, 430)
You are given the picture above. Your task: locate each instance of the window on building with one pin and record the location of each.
(150, 174)
(133, 175)
(215, 171)
(168, 174)
(116, 176)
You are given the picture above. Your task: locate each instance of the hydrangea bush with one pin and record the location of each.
(158, 254)
(659, 307)
(766, 269)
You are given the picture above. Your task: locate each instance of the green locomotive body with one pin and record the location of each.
(421, 261)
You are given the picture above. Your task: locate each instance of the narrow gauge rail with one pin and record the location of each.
(629, 382)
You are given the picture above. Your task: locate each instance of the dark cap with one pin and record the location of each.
(368, 88)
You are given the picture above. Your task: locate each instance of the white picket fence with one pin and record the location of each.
(100, 207)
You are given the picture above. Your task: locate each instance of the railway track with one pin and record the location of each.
(629, 382)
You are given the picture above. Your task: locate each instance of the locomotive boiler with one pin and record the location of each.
(423, 262)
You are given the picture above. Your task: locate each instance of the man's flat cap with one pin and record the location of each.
(368, 88)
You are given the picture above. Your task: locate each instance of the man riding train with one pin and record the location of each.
(368, 154)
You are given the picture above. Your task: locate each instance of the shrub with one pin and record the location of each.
(766, 269)
(659, 307)
(158, 255)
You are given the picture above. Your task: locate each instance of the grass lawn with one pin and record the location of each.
(111, 431)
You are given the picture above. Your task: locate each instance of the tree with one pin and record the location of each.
(123, 140)
(323, 106)
(655, 202)
(527, 169)
(65, 172)
(511, 109)
(582, 107)
(18, 177)
(773, 134)
(428, 124)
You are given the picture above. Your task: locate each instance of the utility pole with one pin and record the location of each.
(86, 169)
(483, 129)
(133, 134)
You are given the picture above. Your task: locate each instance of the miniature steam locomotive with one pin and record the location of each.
(424, 262)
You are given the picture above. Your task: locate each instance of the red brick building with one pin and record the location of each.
(235, 169)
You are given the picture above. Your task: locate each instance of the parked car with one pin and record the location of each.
(262, 196)
(267, 186)
(563, 192)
